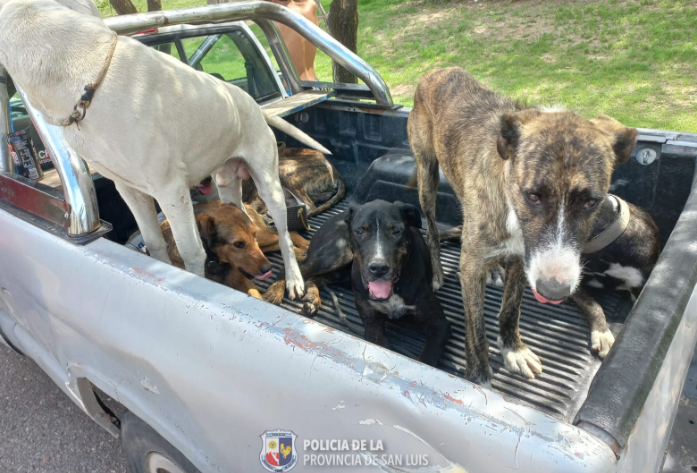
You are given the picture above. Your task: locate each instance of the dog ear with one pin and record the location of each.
(206, 227)
(623, 138)
(509, 137)
(411, 213)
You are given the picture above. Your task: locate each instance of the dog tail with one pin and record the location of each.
(454, 234)
(340, 193)
(295, 132)
(357, 329)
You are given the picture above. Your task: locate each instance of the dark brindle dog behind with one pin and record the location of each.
(308, 175)
(530, 183)
(379, 248)
(621, 263)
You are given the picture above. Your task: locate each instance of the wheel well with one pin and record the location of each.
(102, 408)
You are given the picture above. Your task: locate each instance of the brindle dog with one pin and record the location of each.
(308, 175)
(530, 182)
(623, 265)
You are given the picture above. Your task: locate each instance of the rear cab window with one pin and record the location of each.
(229, 55)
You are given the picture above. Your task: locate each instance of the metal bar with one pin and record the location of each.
(78, 187)
(6, 163)
(128, 24)
(265, 57)
(280, 52)
(202, 50)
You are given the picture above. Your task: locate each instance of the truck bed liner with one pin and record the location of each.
(559, 335)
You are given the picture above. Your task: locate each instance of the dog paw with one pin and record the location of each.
(274, 294)
(295, 289)
(521, 361)
(310, 308)
(601, 342)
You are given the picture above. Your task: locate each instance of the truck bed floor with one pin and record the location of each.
(559, 335)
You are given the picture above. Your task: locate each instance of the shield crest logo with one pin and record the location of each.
(278, 452)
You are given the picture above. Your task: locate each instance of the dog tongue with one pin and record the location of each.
(540, 298)
(205, 189)
(380, 289)
(265, 275)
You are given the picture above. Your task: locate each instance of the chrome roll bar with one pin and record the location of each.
(261, 13)
(78, 188)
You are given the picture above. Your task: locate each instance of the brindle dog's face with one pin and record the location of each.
(228, 232)
(379, 238)
(558, 173)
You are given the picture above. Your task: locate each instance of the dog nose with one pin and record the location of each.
(265, 268)
(378, 269)
(552, 290)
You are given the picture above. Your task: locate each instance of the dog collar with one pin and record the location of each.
(80, 109)
(612, 232)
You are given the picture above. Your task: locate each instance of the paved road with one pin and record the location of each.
(42, 431)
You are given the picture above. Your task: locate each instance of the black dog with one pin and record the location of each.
(379, 248)
(623, 262)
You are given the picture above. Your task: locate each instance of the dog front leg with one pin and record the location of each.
(251, 289)
(472, 281)
(274, 294)
(271, 193)
(143, 208)
(312, 302)
(601, 336)
(177, 207)
(517, 357)
(374, 323)
(437, 329)
(238, 281)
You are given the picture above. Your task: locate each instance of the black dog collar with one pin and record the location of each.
(83, 103)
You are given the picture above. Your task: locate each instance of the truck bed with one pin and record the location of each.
(559, 335)
(370, 149)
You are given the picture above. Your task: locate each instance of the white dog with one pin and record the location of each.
(154, 126)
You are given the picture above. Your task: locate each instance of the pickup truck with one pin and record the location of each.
(190, 374)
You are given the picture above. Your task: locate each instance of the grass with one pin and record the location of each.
(635, 60)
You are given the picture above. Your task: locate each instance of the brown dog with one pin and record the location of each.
(267, 237)
(234, 245)
(308, 175)
(530, 182)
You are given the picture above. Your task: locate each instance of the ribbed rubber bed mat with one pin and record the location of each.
(559, 335)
